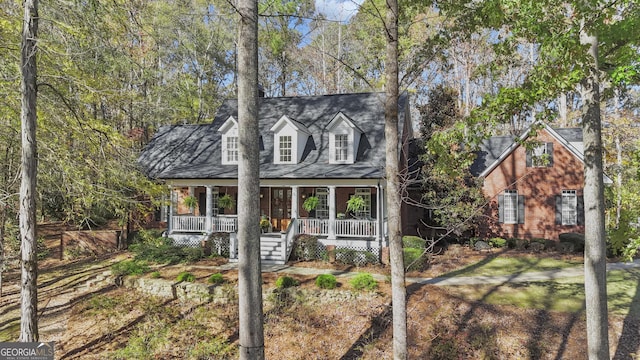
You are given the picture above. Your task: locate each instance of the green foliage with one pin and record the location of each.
(185, 276)
(305, 247)
(414, 259)
(355, 204)
(286, 282)
(363, 281)
(519, 244)
(413, 242)
(41, 249)
(310, 203)
(155, 275)
(574, 238)
(130, 267)
(226, 201)
(215, 279)
(631, 250)
(497, 242)
(190, 201)
(216, 347)
(326, 281)
(156, 249)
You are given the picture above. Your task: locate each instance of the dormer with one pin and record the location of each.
(229, 132)
(344, 139)
(289, 140)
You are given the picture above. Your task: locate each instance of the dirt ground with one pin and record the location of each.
(105, 321)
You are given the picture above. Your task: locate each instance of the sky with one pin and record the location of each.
(338, 10)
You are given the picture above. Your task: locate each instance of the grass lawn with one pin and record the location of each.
(566, 295)
(507, 265)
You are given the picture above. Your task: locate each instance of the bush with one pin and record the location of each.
(326, 281)
(166, 253)
(574, 238)
(497, 242)
(155, 275)
(130, 267)
(216, 279)
(185, 276)
(363, 281)
(286, 282)
(414, 259)
(518, 244)
(305, 247)
(413, 242)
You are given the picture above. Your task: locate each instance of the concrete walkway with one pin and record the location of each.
(459, 280)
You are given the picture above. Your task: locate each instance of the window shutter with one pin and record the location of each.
(558, 210)
(500, 208)
(520, 209)
(374, 206)
(529, 160)
(550, 153)
(580, 210)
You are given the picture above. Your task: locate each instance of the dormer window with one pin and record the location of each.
(344, 139)
(229, 131)
(232, 149)
(289, 141)
(341, 147)
(284, 149)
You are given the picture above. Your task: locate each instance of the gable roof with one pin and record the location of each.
(497, 148)
(194, 151)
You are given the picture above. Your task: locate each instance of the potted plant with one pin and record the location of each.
(191, 202)
(226, 201)
(310, 204)
(264, 223)
(355, 204)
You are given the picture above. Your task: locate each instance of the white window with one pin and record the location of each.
(232, 150)
(569, 207)
(341, 147)
(364, 211)
(510, 207)
(284, 148)
(322, 210)
(542, 155)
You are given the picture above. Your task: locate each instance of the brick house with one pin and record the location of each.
(533, 191)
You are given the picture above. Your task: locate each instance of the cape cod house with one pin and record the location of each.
(330, 147)
(533, 191)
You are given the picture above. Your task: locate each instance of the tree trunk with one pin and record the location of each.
(3, 218)
(398, 289)
(595, 276)
(29, 293)
(249, 276)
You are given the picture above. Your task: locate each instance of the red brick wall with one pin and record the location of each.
(539, 185)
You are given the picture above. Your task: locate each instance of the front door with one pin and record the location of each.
(280, 208)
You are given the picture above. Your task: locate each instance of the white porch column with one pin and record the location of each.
(209, 219)
(294, 202)
(171, 209)
(380, 215)
(332, 213)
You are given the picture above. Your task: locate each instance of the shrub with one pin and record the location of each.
(574, 238)
(155, 274)
(414, 259)
(305, 247)
(519, 244)
(130, 267)
(413, 242)
(286, 282)
(497, 242)
(166, 253)
(326, 281)
(363, 281)
(216, 279)
(185, 276)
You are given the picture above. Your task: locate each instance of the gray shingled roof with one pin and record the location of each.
(491, 149)
(194, 151)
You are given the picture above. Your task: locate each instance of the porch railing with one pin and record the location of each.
(356, 228)
(343, 227)
(197, 224)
